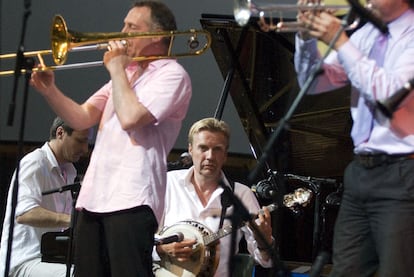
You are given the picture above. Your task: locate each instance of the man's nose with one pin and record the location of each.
(209, 153)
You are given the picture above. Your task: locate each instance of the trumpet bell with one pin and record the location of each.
(242, 11)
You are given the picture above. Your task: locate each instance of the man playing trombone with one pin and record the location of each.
(375, 226)
(139, 112)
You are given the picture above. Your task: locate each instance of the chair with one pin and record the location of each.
(243, 265)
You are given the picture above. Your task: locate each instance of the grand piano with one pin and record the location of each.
(259, 76)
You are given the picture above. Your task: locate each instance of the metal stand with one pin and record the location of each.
(240, 215)
(26, 64)
(74, 188)
(315, 184)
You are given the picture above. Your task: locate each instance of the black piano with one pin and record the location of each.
(259, 76)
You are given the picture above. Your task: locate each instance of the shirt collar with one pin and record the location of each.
(132, 67)
(50, 156)
(68, 167)
(401, 24)
(190, 173)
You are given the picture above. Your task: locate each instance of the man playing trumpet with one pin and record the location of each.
(374, 230)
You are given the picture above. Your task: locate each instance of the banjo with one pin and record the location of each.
(205, 258)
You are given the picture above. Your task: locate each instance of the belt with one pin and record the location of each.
(374, 160)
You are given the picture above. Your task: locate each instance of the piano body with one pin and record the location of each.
(259, 76)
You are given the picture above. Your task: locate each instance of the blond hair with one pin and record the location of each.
(209, 124)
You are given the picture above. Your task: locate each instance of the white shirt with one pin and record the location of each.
(39, 172)
(183, 203)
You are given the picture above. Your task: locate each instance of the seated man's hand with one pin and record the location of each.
(179, 250)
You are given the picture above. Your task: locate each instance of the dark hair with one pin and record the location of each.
(161, 16)
(58, 122)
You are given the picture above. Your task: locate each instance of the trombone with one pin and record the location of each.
(64, 41)
(244, 9)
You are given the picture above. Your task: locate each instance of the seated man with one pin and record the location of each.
(196, 194)
(46, 168)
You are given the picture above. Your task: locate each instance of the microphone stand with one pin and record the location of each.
(315, 184)
(391, 104)
(74, 188)
(27, 64)
(240, 215)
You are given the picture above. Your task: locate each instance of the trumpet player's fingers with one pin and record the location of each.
(263, 25)
(306, 20)
(325, 27)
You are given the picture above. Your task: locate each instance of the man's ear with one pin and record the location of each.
(157, 38)
(190, 149)
(59, 132)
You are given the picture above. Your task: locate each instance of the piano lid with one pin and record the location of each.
(262, 84)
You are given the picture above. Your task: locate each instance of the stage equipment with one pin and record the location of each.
(392, 103)
(64, 40)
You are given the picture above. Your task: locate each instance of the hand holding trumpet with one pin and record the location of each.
(320, 24)
(314, 20)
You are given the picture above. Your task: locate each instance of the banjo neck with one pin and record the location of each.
(214, 237)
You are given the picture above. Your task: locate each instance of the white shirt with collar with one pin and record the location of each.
(183, 203)
(39, 172)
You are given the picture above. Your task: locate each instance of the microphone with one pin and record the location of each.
(264, 189)
(185, 161)
(72, 187)
(391, 104)
(319, 263)
(176, 237)
(311, 179)
(369, 16)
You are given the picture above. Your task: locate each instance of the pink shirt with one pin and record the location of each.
(128, 168)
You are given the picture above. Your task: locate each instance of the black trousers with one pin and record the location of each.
(117, 244)
(374, 230)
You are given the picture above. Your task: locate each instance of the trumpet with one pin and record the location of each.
(244, 9)
(64, 41)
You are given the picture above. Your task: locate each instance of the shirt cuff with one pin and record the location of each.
(348, 55)
(271, 246)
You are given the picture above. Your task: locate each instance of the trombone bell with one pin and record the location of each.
(60, 40)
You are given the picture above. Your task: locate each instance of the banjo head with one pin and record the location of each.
(204, 260)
